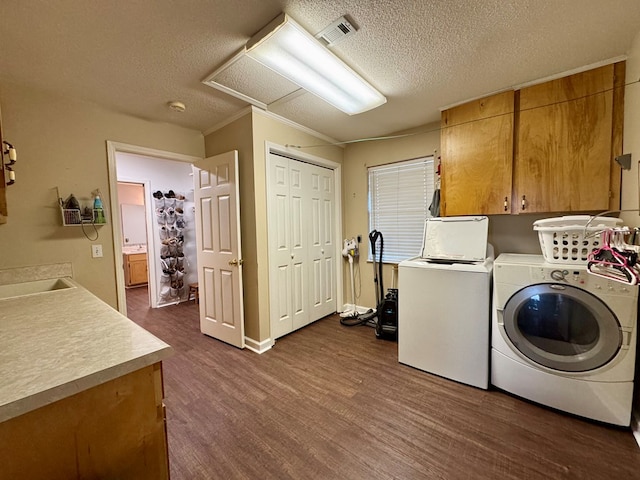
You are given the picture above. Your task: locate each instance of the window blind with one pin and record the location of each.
(399, 199)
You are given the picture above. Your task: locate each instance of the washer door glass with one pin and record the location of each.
(562, 327)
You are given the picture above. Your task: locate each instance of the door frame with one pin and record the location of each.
(296, 154)
(146, 187)
(113, 148)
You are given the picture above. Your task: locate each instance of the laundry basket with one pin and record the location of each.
(566, 240)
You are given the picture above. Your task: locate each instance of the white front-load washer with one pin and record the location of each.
(563, 337)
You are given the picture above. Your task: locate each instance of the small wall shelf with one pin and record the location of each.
(85, 215)
(72, 217)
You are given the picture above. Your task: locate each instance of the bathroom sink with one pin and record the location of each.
(37, 286)
(129, 250)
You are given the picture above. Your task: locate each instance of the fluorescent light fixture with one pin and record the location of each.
(288, 49)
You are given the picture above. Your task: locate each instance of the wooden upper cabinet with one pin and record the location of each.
(568, 132)
(3, 185)
(477, 156)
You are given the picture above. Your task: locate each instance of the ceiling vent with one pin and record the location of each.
(336, 32)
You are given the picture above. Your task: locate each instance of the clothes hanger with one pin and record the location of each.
(612, 263)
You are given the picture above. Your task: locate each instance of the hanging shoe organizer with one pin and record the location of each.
(169, 212)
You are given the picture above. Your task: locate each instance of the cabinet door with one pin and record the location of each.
(477, 156)
(3, 196)
(138, 269)
(565, 143)
(135, 269)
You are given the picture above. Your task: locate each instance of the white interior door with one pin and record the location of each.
(322, 262)
(301, 245)
(281, 241)
(219, 255)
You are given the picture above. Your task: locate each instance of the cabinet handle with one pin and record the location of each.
(524, 202)
(506, 204)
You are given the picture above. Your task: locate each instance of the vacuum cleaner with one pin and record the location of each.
(386, 323)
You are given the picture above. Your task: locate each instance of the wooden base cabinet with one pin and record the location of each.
(135, 269)
(114, 430)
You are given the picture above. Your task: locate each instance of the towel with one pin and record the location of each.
(434, 208)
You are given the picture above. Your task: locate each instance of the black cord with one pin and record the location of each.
(85, 233)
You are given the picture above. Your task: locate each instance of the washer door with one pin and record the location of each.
(562, 327)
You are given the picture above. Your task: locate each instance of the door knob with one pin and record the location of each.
(235, 262)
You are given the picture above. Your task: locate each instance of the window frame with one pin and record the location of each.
(380, 177)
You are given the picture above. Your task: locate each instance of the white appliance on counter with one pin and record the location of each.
(444, 301)
(563, 337)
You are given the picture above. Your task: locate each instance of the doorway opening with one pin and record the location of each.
(156, 171)
(133, 228)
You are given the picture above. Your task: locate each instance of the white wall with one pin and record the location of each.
(163, 175)
(630, 182)
(631, 141)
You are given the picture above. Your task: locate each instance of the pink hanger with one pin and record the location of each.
(612, 263)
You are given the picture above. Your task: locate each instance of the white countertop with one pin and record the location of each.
(132, 249)
(56, 344)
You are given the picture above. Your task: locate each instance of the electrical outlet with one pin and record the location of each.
(96, 251)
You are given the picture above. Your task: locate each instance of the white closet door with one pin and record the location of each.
(322, 301)
(301, 245)
(279, 247)
(299, 213)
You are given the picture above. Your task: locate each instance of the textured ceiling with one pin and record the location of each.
(136, 56)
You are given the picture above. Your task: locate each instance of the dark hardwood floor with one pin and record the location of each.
(332, 402)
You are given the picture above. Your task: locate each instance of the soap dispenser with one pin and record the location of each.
(98, 210)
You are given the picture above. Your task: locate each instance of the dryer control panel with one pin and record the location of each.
(579, 277)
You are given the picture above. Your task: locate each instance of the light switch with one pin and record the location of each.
(96, 251)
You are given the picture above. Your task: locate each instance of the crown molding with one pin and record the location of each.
(274, 116)
(556, 76)
(241, 113)
(302, 128)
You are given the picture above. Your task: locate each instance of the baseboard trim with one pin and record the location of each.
(258, 347)
(635, 425)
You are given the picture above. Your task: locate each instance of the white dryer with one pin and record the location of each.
(563, 337)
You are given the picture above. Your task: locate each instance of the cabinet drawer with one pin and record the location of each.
(136, 257)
